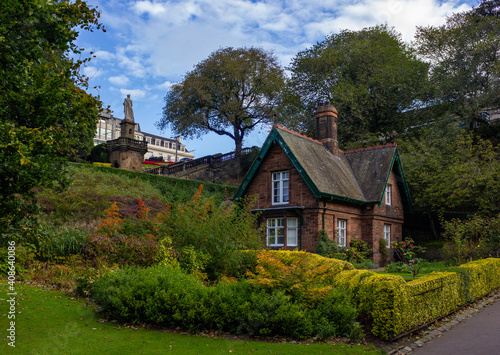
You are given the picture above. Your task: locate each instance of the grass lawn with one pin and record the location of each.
(426, 268)
(52, 322)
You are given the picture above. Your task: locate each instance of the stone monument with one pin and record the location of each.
(126, 152)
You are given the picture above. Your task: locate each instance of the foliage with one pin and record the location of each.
(371, 76)
(23, 262)
(45, 117)
(392, 306)
(450, 170)
(383, 247)
(197, 235)
(168, 296)
(230, 93)
(366, 264)
(215, 232)
(329, 248)
(80, 329)
(109, 245)
(98, 154)
(407, 251)
(470, 239)
(464, 61)
(358, 251)
(300, 274)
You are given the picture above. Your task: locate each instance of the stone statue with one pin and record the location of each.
(127, 107)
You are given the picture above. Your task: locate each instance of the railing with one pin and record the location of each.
(123, 142)
(187, 165)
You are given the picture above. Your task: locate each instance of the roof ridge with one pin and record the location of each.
(296, 133)
(390, 145)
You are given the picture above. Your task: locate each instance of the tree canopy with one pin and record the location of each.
(371, 76)
(229, 93)
(464, 63)
(451, 170)
(46, 116)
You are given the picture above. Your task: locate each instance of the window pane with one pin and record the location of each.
(285, 191)
(291, 232)
(276, 192)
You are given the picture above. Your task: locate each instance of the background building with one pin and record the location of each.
(171, 149)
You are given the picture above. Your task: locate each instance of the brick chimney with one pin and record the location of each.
(326, 124)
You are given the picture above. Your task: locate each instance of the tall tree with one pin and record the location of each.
(371, 76)
(45, 115)
(229, 93)
(451, 170)
(464, 59)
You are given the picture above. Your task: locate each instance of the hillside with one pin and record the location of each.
(93, 189)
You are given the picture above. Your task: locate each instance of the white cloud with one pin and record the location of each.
(120, 80)
(92, 72)
(104, 55)
(134, 93)
(165, 85)
(150, 8)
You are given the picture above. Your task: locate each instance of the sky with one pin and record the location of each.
(151, 44)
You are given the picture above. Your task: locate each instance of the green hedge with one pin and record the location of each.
(167, 296)
(393, 306)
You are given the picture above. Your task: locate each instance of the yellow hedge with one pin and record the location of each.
(394, 306)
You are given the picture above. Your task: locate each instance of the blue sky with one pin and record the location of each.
(150, 44)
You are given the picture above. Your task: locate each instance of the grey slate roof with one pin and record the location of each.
(330, 174)
(359, 176)
(372, 167)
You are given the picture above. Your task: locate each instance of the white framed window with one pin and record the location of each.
(388, 195)
(341, 232)
(280, 187)
(291, 232)
(275, 232)
(157, 142)
(387, 234)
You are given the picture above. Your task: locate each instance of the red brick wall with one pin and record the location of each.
(261, 186)
(363, 222)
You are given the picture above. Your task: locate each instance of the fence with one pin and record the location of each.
(187, 165)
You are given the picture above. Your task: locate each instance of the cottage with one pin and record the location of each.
(303, 186)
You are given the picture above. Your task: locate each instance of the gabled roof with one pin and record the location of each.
(358, 176)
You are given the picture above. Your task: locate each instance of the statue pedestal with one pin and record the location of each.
(127, 153)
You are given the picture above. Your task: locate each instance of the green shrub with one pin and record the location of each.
(168, 296)
(24, 257)
(121, 250)
(219, 231)
(365, 264)
(383, 247)
(329, 248)
(476, 238)
(62, 242)
(357, 251)
(160, 295)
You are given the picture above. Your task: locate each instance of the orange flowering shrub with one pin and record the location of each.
(112, 223)
(111, 244)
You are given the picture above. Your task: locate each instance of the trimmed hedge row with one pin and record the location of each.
(394, 306)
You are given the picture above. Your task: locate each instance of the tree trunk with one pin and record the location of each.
(238, 140)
